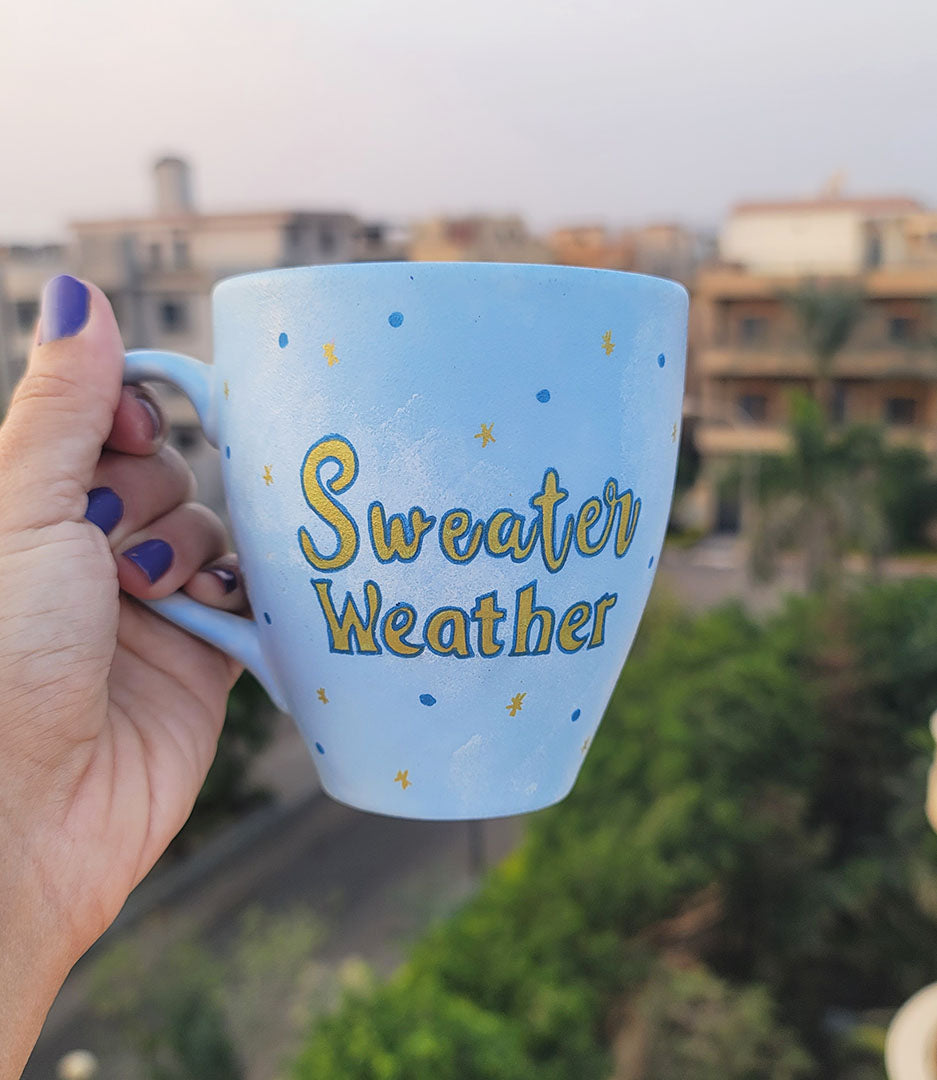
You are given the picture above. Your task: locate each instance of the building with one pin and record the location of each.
(476, 239)
(828, 235)
(158, 271)
(664, 250)
(749, 352)
(591, 245)
(23, 272)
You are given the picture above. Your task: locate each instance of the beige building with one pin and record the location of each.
(158, 271)
(664, 250)
(476, 239)
(749, 354)
(829, 235)
(23, 272)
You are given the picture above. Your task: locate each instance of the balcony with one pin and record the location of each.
(788, 361)
(718, 438)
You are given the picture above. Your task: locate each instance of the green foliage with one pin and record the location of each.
(828, 314)
(698, 1026)
(185, 1012)
(776, 767)
(248, 728)
(173, 1013)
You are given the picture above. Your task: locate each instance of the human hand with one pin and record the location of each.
(109, 715)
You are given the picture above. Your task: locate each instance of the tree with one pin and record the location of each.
(828, 315)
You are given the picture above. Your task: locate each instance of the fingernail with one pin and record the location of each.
(154, 557)
(156, 421)
(105, 508)
(66, 304)
(228, 578)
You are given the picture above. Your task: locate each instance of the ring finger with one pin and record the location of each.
(161, 558)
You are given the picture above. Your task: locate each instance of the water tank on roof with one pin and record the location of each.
(173, 187)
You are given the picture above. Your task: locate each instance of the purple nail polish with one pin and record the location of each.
(154, 557)
(105, 508)
(151, 411)
(66, 304)
(228, 578)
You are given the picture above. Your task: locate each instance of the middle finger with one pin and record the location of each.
(145, 488)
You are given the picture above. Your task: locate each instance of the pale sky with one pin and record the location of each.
(623, 111)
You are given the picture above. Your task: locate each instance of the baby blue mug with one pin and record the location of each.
(448, 485)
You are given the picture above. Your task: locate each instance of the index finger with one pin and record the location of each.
(139, 425)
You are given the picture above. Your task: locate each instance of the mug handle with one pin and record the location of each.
(233, 634)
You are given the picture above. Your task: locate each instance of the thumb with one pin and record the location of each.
(62, 410)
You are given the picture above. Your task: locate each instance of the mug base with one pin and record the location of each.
(417, 812)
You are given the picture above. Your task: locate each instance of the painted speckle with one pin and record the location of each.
(320, 748)
(427, 699)
(661, 360)
(283, 340)
(395, 318)
(543, 395)
(650, 562)
(227, 452)
(576, 714)
(267, 619)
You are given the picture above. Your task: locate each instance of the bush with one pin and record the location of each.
(777, 767)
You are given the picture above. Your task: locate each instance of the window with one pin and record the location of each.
(900, 410)
(180, 253)
(838, 404)
(753, 408)
(27, 311)
(753, 330)
(173, 316)
(900, 330)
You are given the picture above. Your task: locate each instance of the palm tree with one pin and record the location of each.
(828, 315)
(809, 495)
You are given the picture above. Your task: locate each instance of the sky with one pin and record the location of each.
(615, 111)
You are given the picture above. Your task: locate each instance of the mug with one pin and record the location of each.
(448, 484)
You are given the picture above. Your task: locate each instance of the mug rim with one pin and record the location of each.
(494, 268)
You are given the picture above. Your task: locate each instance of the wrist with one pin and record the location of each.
(35, 956)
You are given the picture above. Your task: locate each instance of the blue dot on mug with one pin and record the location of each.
(283, 340)
(427, 699)
(650, 562)
(320, 748)
(267, 618)
(544, 396)
(661, 360)
(576, 714)
(395, 318)
(227, 451)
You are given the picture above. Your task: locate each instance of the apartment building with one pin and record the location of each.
(749, 352)
(23, 272)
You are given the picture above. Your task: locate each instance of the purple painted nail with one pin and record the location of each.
(151, 411)
(66, 304)
(228, 578)
(154, 557)
(105, 508)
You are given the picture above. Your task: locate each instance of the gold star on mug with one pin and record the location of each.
(401, 777)
(268, 475)
(517, 703)
(485, 434)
